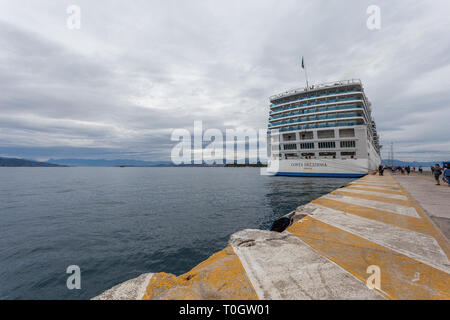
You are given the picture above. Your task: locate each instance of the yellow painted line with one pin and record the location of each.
(440, 238)
(381, 184)
(398, 220)
(374, 186)
(418, 246)
(375, 181)
(433, 231)
(376, 190)
(372, 197)
(401, 276)
(390, 183)
(221, 276)
(389, 207)
(374, 193)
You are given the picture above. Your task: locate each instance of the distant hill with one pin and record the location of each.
(15, 162)
(139, 163)
(399, 163)
(109, 163)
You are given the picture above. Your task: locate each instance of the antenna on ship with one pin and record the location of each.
(306, 73)
(391, 155)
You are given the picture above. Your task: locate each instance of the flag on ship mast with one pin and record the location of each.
(306, 74)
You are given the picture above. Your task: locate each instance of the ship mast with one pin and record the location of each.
(306, 73)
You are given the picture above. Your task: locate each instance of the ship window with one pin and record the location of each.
(345, 133)
(290, 155)
(327, 145)
(287, 137)
(327, 154)
(352, 154)
(307, 145)
(325, 134)
(290, 146)
(308, 155)
(306, 135)
(348, 144)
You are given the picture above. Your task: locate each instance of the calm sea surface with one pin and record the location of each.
(117, 223)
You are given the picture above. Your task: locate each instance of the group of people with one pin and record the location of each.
(403, 170)
(436, 171)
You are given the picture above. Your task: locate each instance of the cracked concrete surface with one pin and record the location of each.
(133, 289)
(281, 266)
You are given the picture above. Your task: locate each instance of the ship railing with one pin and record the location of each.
(315, 118)
(315, 104)
(314, 97)
(316, 87)
(315, 126)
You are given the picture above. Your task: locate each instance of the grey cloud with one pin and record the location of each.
(137, 70)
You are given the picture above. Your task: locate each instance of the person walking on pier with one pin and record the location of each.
(447, 174)
(380, 169)
(437, 173)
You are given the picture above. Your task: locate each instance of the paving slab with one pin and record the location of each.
(434, 199)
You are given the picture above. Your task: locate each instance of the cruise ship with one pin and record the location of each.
(323, 130)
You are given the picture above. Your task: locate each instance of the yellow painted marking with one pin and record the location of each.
(372, 197)
(398, 220)
(377, 181)
(401, 276)
(376, 190)
(357, 184)
(221, 276)
(360, 185)
(441, 239)
(432, 230)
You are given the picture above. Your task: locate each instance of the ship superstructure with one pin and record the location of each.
(323, 130)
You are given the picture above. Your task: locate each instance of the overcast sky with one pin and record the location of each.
(136, 70)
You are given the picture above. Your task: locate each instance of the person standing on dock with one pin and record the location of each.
(447, 174)
(380, 169)
(437, 173)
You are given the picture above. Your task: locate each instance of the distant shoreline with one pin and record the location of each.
(96, 163)
(15, 162)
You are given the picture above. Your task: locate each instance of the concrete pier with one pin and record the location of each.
(434, 199)
(380, 237)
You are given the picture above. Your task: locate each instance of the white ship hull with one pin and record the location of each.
(350, 168)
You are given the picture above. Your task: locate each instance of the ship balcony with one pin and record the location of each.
(315, 104)
(316, 126)
(312, 119)
(315, 97)
(316, 111)
(353, 83)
